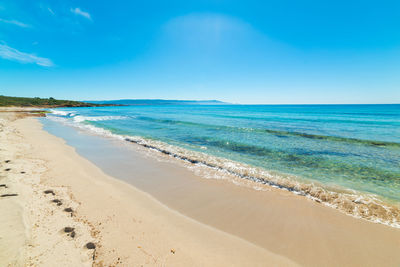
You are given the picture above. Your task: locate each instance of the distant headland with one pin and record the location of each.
(140, 102)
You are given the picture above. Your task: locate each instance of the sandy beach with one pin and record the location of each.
(129, 226)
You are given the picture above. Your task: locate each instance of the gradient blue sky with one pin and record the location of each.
(237, 51)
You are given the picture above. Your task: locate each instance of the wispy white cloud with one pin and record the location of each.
(78, 11)
(15, 22)
(208, 30)
(10, 53)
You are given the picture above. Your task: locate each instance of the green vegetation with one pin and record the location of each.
(6, 101)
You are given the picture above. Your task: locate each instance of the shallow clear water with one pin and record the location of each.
(352, 146)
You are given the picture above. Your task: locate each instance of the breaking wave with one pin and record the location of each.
(99, 118)
(62, 113)
(80, 118)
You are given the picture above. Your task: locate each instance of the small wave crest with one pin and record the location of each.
(80, 118)
(86, 127)
(61, 112)
(100, 118)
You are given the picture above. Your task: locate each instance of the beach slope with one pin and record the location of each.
(127, 226)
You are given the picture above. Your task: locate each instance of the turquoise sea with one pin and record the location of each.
(353, 150)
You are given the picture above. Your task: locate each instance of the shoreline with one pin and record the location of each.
(131, 228)
(119, 225)
(358, 204)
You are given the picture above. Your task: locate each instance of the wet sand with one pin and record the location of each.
(159, 212)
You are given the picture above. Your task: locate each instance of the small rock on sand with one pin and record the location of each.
(69, 229)
(59, 203)
(90, 245)
(49, 192)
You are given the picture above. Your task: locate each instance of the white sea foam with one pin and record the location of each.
(80, 118)
(61, 112)
(99, 118)
(86, 127)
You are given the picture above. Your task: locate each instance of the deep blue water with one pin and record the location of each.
(353, 146)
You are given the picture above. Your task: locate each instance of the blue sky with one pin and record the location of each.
(236, 51)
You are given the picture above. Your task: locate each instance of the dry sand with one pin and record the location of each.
(131, 228)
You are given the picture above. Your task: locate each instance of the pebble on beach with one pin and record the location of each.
(49, 192)
(90, 245)
(57, 201)
(68, 229)
(68, 210)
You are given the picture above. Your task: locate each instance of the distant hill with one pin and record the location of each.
(8, 101)
(132, 102)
